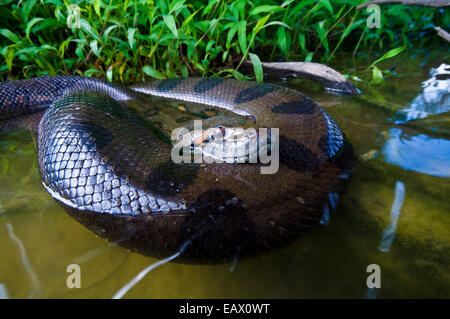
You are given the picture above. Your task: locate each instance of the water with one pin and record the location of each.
(395, 213)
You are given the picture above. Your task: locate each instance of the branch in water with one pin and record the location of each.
(424, 3)
(328, 77)
(442, 33)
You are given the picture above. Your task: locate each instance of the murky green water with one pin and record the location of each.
(398, 160)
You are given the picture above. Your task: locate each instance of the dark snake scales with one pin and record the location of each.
(113, 174)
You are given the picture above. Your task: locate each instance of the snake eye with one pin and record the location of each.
(208, 139)
(222, 130)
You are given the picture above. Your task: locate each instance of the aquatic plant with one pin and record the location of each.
(127, 41)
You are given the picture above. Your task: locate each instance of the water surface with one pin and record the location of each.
(395, 213)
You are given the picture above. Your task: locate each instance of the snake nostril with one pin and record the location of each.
(252, 118)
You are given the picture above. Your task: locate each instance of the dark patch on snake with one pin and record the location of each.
(206, 84)
(305, 106)
(101, 136)
(254, 92)
(108, 106)
(219, 216)
(170, 178)
(167, 86)
(297, 156)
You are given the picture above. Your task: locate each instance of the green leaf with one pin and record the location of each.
(97, 7)
(283, 40)
(107, 31)
(350, 28)
(90, 72)
(238, 75)
(10, 35)
(257, 67)
(302, 41)
(176, 6)
(190, 48)
(278, 23)
(8, 53)
(209, 7)
(170, 22)
(377, 75)
(186, 21)
(388, 55)
(260, 24)
(322, 33)
(153, 73)
(209, 45)
(30, 25)
(286, 3)
(231, 32)
(109, 74)
(130, 35)
(265, 8)
(48, 23)
(327, 4)
(242, 35)
(86, 27)
(309, 57)
(94, 47)
(26, 9)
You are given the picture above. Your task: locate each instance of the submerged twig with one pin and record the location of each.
(141, 275)
(25, 262)
(144, 272)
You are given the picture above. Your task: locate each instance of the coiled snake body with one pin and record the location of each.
(113, 172)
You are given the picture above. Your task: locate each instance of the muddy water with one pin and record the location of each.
(395, 213)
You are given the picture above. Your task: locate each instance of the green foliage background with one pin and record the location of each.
(133, 40)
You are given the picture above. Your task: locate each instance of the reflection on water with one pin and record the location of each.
(419, 153)
(435, 98)
(395, 213)
(422, 153)
(389, 233)
(3, 292)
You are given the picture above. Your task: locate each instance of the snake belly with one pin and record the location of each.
(113, 174)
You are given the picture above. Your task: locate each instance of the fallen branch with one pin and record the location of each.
(442, 33)
(329, 78)
(424, 3)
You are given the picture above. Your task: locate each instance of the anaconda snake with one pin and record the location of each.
(112, 171)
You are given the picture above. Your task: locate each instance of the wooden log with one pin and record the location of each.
(442, 33)
(328, 77)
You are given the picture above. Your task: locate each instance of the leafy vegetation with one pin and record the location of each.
(131, 40)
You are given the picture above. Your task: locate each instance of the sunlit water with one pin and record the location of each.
(395, 213)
